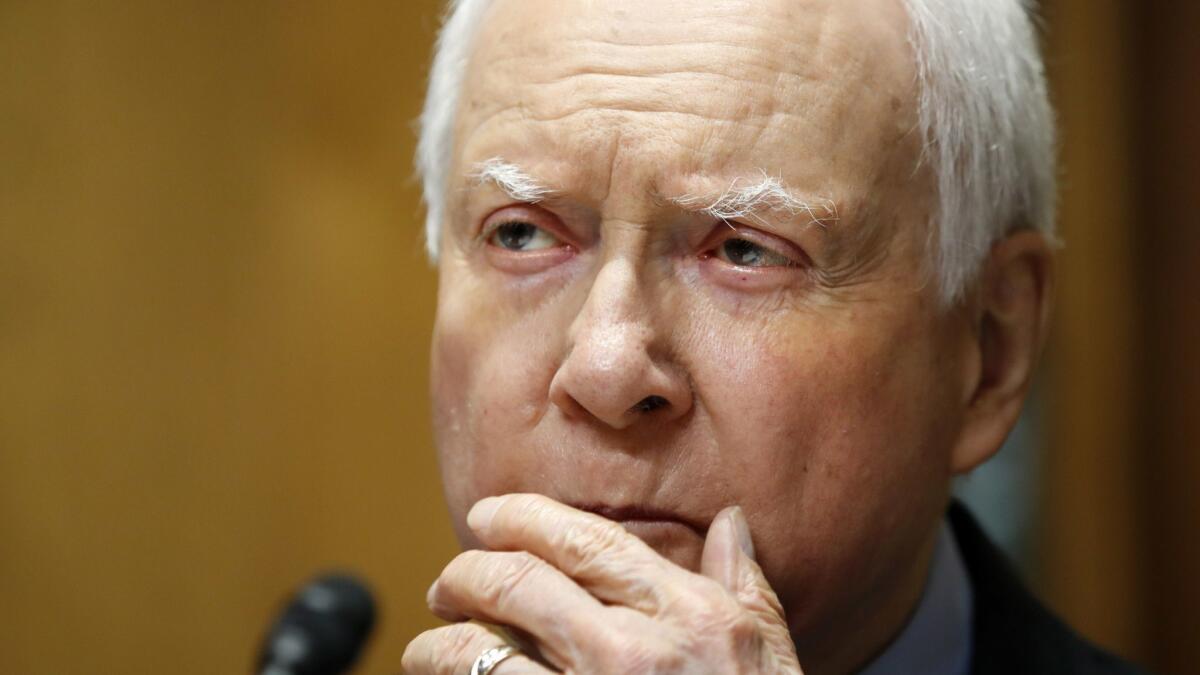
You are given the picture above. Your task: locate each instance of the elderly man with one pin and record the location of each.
(729, 291)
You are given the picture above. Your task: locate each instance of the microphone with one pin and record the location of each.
(321, 630)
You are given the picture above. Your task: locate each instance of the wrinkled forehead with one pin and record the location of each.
(818, 92)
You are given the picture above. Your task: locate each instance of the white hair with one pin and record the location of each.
(983, 111)
(746, 198)
(988, 128)
(743, 198)
(511, 179)
(435, 146)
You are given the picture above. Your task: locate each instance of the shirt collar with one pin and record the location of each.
(937, 638)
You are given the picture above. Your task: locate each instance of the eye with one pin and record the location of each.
(522, 236)
(745, 253)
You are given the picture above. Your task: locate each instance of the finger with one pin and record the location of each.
(728, 558)
(724, 547)
(521, 590)
(451, 650)
(599, 554)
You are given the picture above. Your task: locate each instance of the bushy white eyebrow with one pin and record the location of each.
(511, 179)
(743, 199)
(746, 198)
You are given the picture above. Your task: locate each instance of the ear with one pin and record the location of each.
(1011, 316)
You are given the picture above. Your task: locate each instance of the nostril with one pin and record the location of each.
(650, 403)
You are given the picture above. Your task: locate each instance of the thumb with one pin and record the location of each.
(727, 543)
(728, 558)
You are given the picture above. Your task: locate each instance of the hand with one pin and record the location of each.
(596, 599)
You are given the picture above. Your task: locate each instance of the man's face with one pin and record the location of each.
(617, 348)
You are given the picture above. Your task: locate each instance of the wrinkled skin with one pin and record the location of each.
(825, 392)
(593, 598)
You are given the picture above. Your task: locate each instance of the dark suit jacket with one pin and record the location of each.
(1013, 632)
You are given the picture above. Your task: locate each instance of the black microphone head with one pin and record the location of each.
(321, 631)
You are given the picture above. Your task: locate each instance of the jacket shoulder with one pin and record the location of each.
(1012, 631)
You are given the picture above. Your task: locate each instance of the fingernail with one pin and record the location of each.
(480, 516)
(431, 594)
(742, 530)
(725, 530)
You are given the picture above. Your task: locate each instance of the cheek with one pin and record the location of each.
(792, 379)
(490, 375)
(827, 432)
(450, 380)
(490, 359)
(806, 387)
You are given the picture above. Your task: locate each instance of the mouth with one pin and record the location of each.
(644, 517)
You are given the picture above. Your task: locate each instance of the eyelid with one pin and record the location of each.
(524, 213)
(736, 230)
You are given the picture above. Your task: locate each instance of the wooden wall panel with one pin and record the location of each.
(1090, 548)
(214, 315)
(1119, 554)
(1168, 163)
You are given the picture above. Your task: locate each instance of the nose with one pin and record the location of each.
(617, 371)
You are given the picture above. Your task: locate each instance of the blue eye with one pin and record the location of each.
(522, 236)
(745, 253)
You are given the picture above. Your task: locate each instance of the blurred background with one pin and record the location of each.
(215, 309)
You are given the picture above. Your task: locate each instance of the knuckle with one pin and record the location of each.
(586, 543)
(518, 573)
(710, 622)
(704, 603)
(493, 579)
(458, 573)
(717, 621)
(743, 633)
(734, 635)
(462, 563)
(523, 508)
(610, 638)
(650, 657)
(458, 647)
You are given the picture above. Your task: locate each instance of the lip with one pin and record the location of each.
(643, 514)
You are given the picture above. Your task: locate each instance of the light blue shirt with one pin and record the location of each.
(937, 639)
